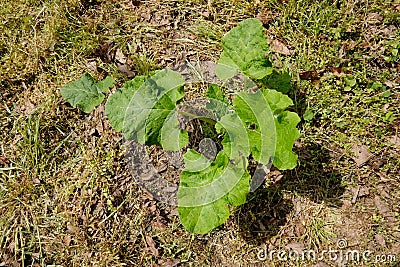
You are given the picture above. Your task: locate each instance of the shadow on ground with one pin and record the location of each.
(267, 210)
(314, 177)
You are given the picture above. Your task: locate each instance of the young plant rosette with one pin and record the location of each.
(255, 123)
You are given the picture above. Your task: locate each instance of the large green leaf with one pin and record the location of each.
(145, 105)
(236, 141)
(287, 134)
(278, 80)
(260, 126)
(276, 100)
(86, 93)
(272, 130)
(173, 138)
(245, 48)
(202, 219)
(258, 117)
(204, 196)
(286, 131)
(195, 161)
(118, 103)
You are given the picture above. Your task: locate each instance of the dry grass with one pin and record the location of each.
(66, 196)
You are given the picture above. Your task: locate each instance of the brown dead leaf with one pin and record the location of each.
(136, 2)
(146, 195)
(386, 107)
(67, 240)
(125, 70)
(361, 154)
(4, 161)
(26, 108)
(391, 84)
(280, 48)
(205, 14)
(364, 44)
(153, 208)
(336, 70)
(71, 229)
(29, 107)
(396, 6)
(91, 64)
(159, 225)
(310, 75)
(120, 57)
(87, 255)
(11, 246)
(380, 240)
(152, 245)
(106, 52)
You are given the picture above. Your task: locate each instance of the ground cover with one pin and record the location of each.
(67, 197)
